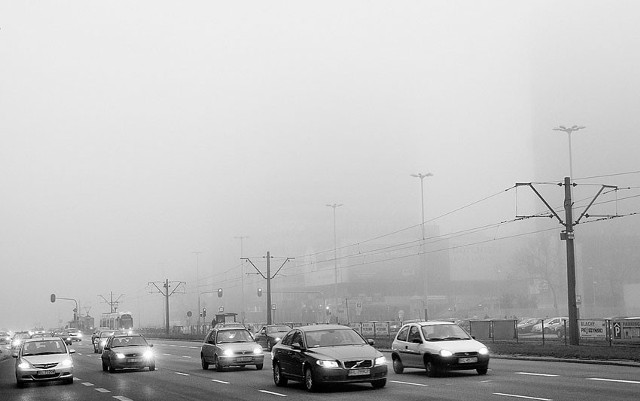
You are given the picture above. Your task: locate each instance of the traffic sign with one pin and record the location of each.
(617, 330)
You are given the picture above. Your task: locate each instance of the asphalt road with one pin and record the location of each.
(179, 377)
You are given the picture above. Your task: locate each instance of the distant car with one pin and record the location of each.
(325, 354)
(437, 347)
(229, 324)
(18, 338)
(270, 334)
(553, 325)
(525, 325)
(123, 351)
(101, 341)
(43, 359)
(71, 336)
(5, 338)
(230, 346)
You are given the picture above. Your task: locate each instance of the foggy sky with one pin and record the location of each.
(133, 134)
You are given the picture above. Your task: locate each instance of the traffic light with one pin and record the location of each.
(53, 297)
(204, 312)
(259, 292)
(219, 292)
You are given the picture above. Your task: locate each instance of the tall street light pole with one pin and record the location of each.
(197, 253)
(335, 253)
(569, 131)
(424, 264)
(242, 238)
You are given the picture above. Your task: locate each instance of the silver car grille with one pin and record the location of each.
(45, 365)
(356, 364)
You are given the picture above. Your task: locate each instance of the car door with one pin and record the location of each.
(413, 356)
(209, 347)
(401, 345)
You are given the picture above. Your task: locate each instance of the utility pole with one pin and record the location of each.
(165, 292)
(197, 253)
(242, 313)
(423, 257)
(335, 255)
(113, 305)
(569, 235)
(268, 277)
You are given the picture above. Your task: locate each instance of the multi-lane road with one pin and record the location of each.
(179, 377)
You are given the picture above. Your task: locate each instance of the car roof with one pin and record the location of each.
(127, 335)
(41, 338)
(320, 327)
(433, 323)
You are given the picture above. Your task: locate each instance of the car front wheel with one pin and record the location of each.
(309, 381)
(432, 369)
(398, 367)
(205, 364)
(278, 379)
(482, 371)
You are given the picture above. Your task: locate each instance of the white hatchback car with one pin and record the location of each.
(43, 359)
(437, 347)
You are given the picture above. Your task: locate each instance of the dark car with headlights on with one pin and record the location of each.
(123, 351)
(437, 347)
(230, 346)
(324, 354)
(270, 334)
(43, 359)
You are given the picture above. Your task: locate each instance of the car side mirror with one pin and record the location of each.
(297, 346)
(370, 341)
(72, 351)
(14, 354)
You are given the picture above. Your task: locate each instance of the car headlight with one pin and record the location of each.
(381, 360)
(148, 354)
(120, 355)
(445, 353)
(66, 363)
(257, 350)
(227, 352)
(327, 364)
(103, 342)
(483, 351)
(24, 364)
(277, 339)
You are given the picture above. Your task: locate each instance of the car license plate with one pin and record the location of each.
(133, 360)
(244, 359)
(359, 372)
(468, 360)
(46, 372)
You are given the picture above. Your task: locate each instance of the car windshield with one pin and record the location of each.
(444, 332)
(128, 341)
(333, 337)
(278, 329)
(106, 334)
(233, 336)
(45, 347)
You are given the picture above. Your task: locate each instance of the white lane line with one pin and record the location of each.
(122, 398)
(523, 396)
(536, 374)
(194, 347)
(272, 393)
(182, 374)
(614, 380)
(166, 354)
(87, 384)
(186, 356)
(102, 390)
(409, 383)
(219, 381)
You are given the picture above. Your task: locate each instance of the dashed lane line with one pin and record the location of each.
(122, 398)
(220, 381)
(102, 390)
(186, 356)
(272, 393)
(614, 380)
(409, 383)
(523, 396)
(182, 374)
(87, 384)
(537, 374)
(167, 354)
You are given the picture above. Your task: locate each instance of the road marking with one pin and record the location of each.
(194, 347)
(536, 374)
(87, 384)
(614, 380)
(122, 398)
(219, 381)
(166, 354)
(102, 390)
(186, 356)
(523, 396)
(182, 374)
(409, 383)
(272, 393)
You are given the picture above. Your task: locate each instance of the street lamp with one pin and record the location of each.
(241, 238)
(425, 271)
(335, 252)
(569, 131)
(197, 253)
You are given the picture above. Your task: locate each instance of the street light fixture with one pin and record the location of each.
(569, 131)
(335, 252)
(424, 264)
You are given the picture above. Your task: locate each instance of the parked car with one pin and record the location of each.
(321, 355)
(437, 347)
(270, 334)
(553, 325)
(230, 346)
(123, 351)
(43, 359)
(101, 341)
(525, 325)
